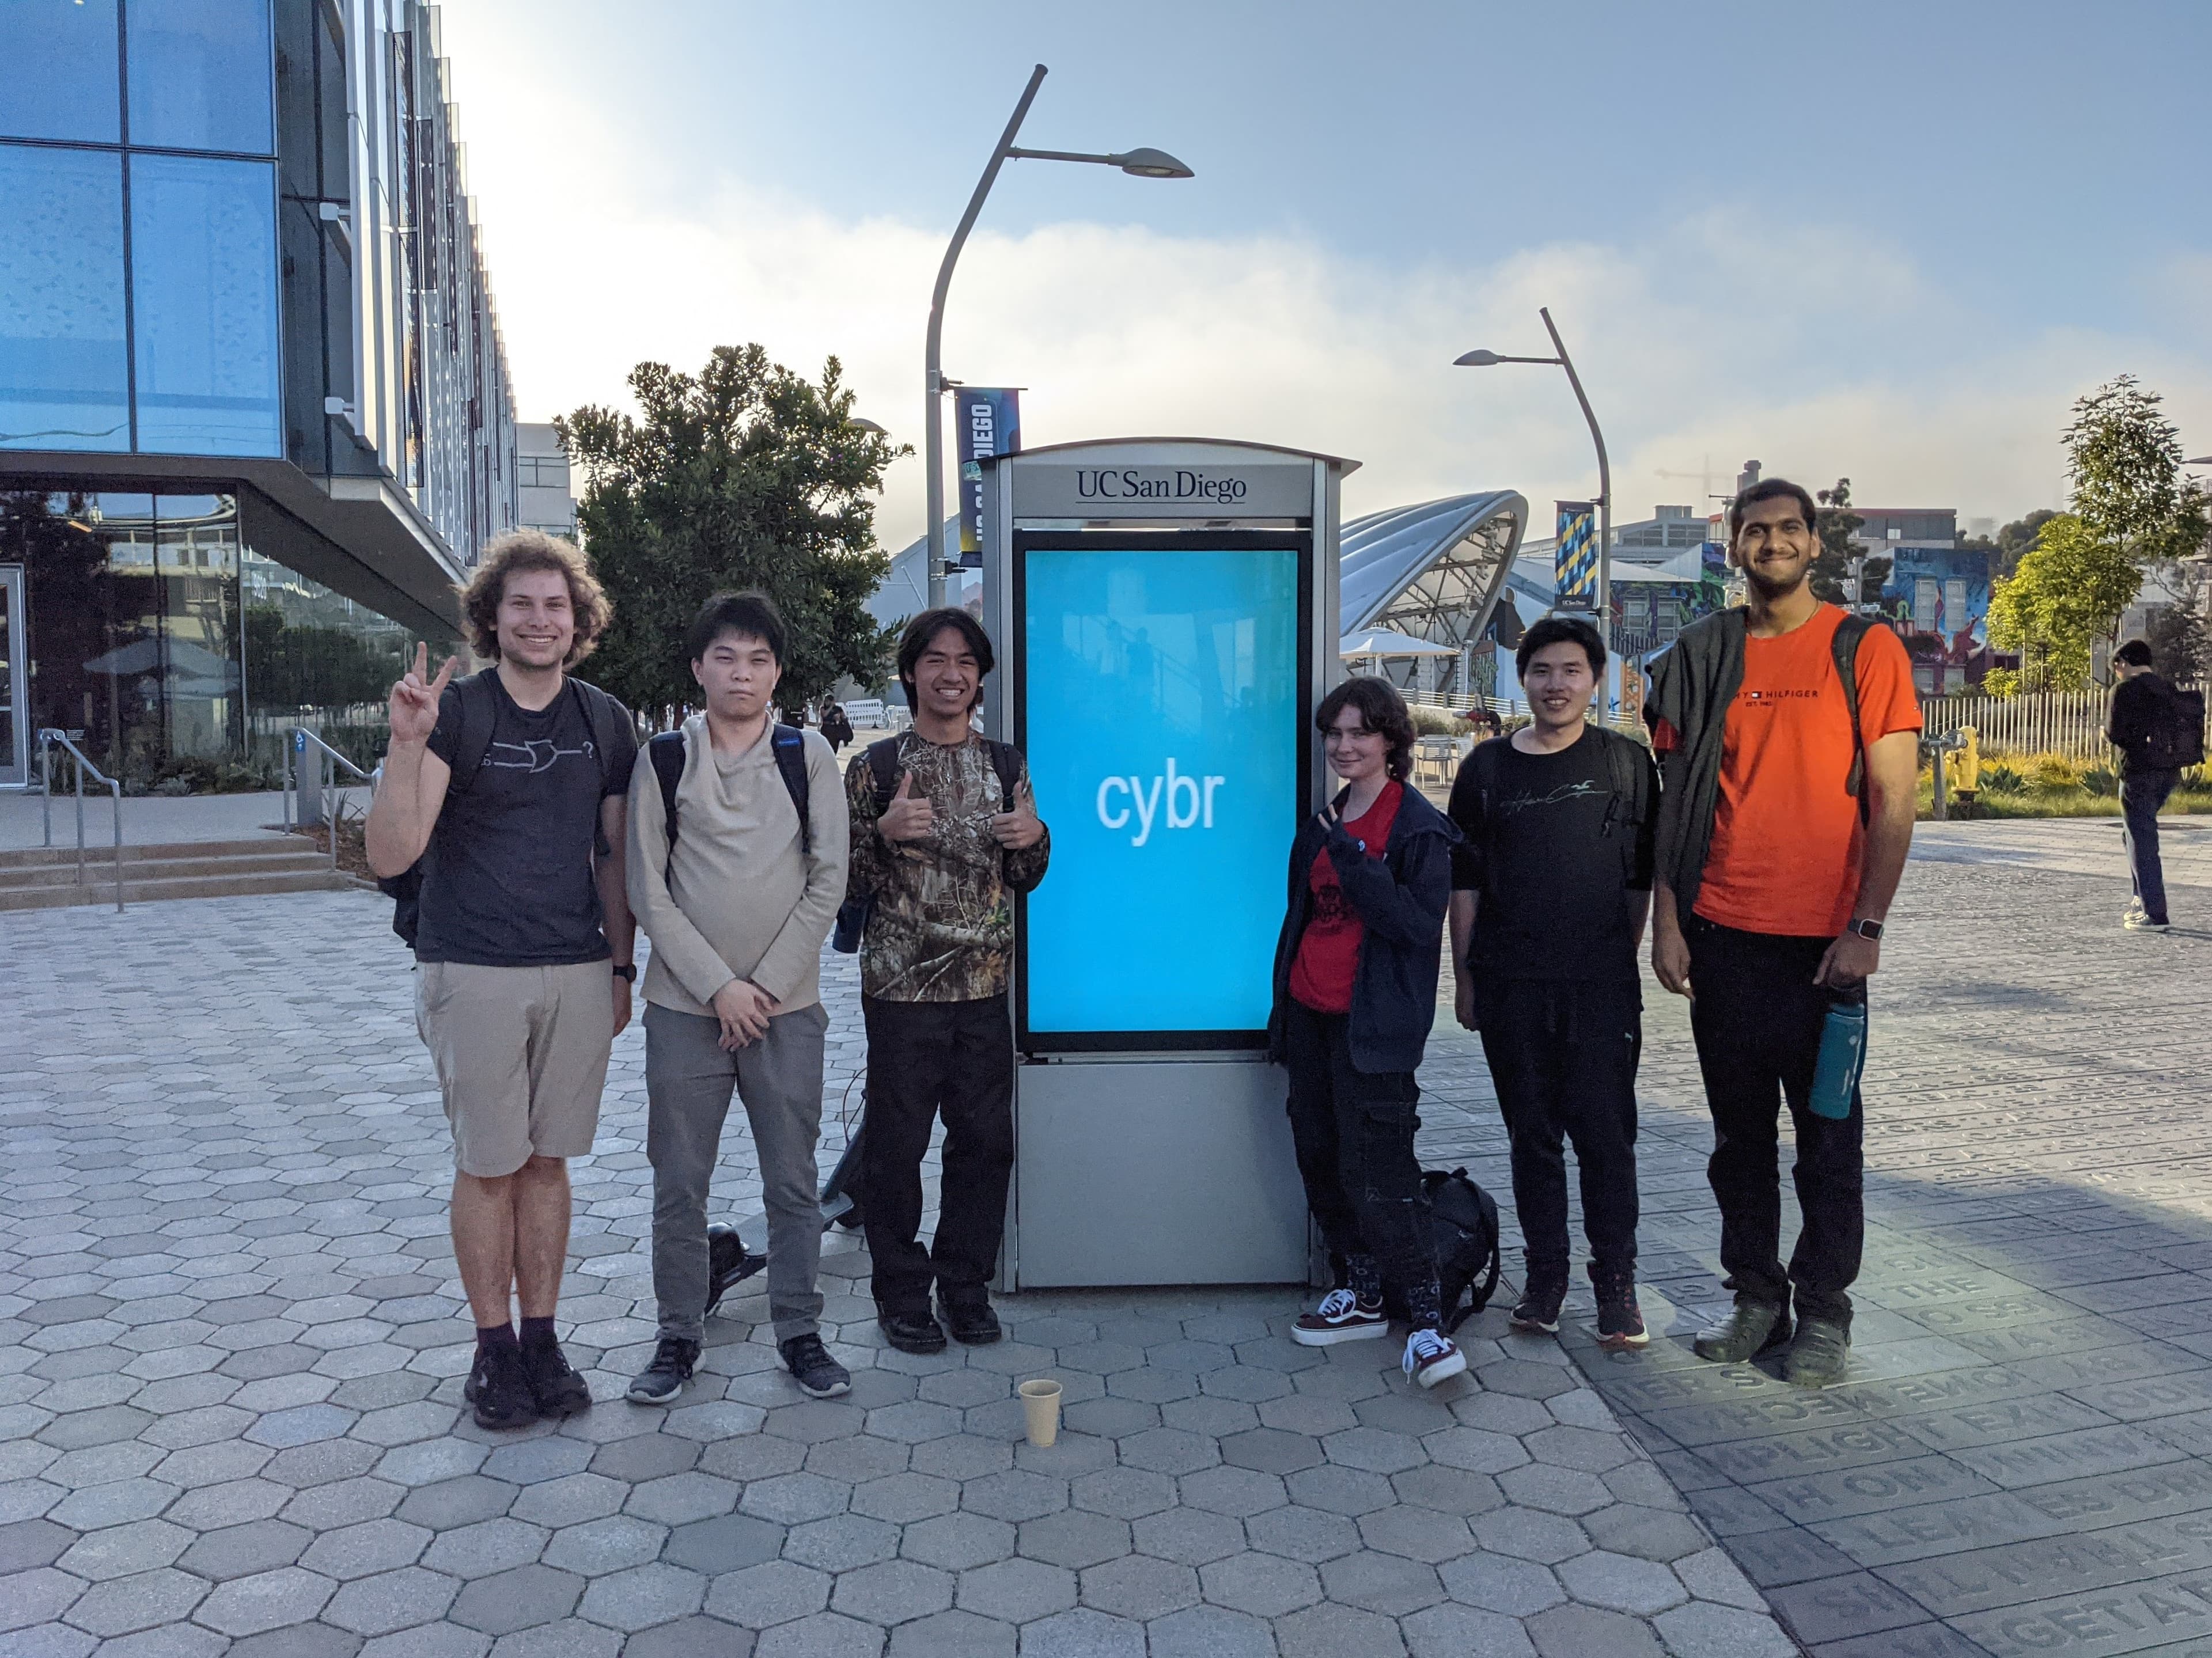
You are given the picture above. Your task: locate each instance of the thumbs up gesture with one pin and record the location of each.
(909, 817)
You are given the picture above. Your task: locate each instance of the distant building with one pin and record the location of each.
(544, 497)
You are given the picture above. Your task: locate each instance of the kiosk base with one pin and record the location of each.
(1169, 1171)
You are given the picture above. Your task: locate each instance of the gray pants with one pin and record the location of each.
(688, 1080)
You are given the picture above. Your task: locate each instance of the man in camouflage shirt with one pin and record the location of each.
(941, 858)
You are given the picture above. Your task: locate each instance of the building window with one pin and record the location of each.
(200, 75)
(74, 94)
(542, 472)
(64, 366)
(204, 261)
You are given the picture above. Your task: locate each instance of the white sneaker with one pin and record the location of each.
(2138, 921)
(1339, 1318)
(1430, 1358)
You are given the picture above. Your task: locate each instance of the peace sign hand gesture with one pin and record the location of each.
(414, 698)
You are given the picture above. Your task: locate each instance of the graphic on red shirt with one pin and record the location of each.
(1329, 950)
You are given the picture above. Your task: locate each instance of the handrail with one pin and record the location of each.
(47, 737)
(300, 738)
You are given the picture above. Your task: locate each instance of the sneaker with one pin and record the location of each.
(1341, 1317)
(1619, 1319)
(560, 1391)
(2140, 922)
(1538, 1309)
(499, 1389)
(818, 1375)
(1817, 1356)
(664, 1378)
(1748, 1331)
(1430, 1358)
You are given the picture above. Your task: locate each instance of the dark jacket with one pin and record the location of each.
(2128, 718)
(1692, 686)
(1400, 899)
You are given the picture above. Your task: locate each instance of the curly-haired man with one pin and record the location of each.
(508, 787)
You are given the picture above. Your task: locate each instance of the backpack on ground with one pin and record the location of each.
(1464, 1221)
(2176, 736)
(789, 743)
(479, 709)
(881, 758)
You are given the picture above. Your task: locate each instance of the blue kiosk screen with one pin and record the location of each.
(1163, 734)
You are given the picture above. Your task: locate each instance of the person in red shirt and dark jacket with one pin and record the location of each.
(1356, 976)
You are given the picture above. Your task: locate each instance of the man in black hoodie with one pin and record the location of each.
(2138, 708)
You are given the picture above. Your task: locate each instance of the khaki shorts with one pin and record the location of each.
(522, 1054)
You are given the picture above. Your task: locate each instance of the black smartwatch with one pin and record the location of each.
(626, 970)
(1869, 931)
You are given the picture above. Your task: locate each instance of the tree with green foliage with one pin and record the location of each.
(2017, 538)
(2067, 593)
(1842, 574)
(2124, 457)
(743, 476)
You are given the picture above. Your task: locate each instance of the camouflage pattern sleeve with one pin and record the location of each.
(867, 868)
(1023, 870)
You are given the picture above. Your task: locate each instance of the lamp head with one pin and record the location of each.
(861, 424)
(1476, 359)
(1150, 164)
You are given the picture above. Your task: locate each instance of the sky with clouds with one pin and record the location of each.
(1890, 241)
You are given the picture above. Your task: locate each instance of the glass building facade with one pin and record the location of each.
(254, 412)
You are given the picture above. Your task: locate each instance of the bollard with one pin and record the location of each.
(306, 782)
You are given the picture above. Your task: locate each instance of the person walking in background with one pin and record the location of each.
(1788, 743)
(737, 888)
(1356, 971)
(836, 727)
(2159, 730)
(509, 787)
(945, 828)
(1550, 891)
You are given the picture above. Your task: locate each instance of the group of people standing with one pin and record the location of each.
(531, 846)
(1761, 837)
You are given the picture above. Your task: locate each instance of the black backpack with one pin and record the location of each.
(881, 759)
(1464, 1221)
(1622, 755)
(479, 709)
(667, 752)
(2176, 736)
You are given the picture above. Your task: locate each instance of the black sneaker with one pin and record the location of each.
(911, 1333)
(1746, 1333)
(727, 1263)
(664, 1378)
(1538, 1309)
(499, 1388)
(560, 1391)
(1817, 1356)
(818, 1375)
(972, 1323)
(1619, 1319)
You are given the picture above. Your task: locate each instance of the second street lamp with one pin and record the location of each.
(1137, 163)
(1488, 359)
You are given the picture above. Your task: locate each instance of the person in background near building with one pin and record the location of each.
(1356, 971)
(736, 891)
(2143, 721)
(836, 728)
(1551, 890)
(509, 787)
(944, 827)
(1784, 826)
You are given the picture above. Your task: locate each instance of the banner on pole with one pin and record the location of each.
(986, 419)
(1575, 560)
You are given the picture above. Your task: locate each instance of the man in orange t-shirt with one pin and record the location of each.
(1783, 834)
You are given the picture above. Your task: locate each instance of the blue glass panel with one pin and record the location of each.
(65, 367)
(200, 75)
(203, 260)
(61, 80)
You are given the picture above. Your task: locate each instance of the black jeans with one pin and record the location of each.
(1757, 1016)
(1354, 1132)
(1562, 1056)
(925, 1058)
(2142, 793)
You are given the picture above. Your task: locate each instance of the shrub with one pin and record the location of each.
(2053, 771)
(1429, 720)
(1998, 778)
(2101, 781)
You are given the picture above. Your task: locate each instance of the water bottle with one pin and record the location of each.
(1843, 1054)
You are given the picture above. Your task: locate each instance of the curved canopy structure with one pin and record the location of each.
(1432, 571)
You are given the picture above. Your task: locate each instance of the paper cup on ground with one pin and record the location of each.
(1041, 1405)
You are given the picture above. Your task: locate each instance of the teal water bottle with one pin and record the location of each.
(1843, 1054)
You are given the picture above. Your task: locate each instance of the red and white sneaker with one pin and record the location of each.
(1431, 1357)
(1341, 1317)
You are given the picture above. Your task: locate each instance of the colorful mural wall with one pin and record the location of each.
(1938, 600)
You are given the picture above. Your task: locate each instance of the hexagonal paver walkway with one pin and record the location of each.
(230, 1415)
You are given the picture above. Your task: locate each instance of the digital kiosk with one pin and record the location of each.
(1164, 611)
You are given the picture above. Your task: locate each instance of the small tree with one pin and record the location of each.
(743, 476)
(2180, 647)
(2067, 593)
(2125, 460)
(1838, 574)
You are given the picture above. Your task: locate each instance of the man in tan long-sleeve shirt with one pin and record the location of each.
(737, 898)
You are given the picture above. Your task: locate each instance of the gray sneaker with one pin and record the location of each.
(1750, 1330)
(1816, 1357)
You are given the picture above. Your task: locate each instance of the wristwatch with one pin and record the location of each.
(626, 970)
(1868, 930)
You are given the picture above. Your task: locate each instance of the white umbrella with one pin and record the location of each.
(1382, 641)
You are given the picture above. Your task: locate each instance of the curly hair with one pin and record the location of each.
(518, 552)
(1381, 709)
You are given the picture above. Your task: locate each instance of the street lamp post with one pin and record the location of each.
(1484, 360)
(1137, 163)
